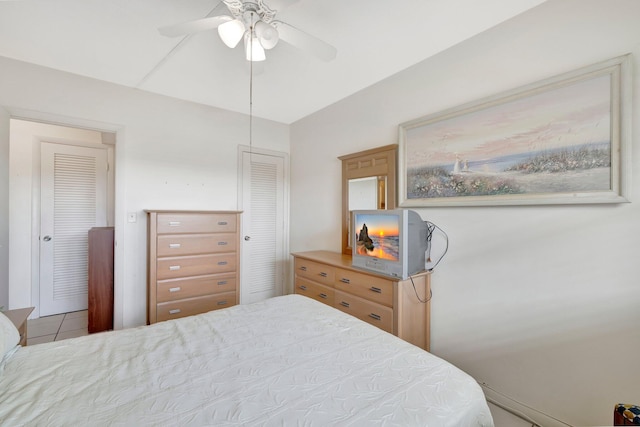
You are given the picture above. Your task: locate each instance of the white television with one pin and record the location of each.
(389, 242)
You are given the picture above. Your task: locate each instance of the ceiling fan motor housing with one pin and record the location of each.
(253, 20)
(256, 17)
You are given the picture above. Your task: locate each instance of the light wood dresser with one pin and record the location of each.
(390, 304)
(193, 262)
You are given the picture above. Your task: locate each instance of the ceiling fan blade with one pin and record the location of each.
(191, 27)
(306, 42)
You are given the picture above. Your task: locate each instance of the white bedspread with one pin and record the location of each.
(288, 361)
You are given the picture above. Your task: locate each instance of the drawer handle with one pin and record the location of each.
(222, 282)
(174, 245)
(303, 287)
(222, 303)
(344, 304)
(323, 274)
(174, 223)
(222, 262)
(323, 296)
(222, 222)
(222, 243)
(375, 316)
(176, 289)
(345, 280)
(174, 311)
(303, 268)
(174, 267)
(376, 290)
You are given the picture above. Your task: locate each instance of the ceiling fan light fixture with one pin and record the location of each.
(253, 49)
(231, 32)
(267, 34)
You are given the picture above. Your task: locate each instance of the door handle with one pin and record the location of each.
(46, 238)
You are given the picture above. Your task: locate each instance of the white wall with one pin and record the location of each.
(539, 302)
(169, 155)
(4, 208)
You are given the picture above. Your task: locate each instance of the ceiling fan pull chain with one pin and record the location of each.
(251, 40)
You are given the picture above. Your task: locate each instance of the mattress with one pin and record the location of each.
(286, 361)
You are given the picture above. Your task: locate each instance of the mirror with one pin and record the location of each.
(367, 193)
(368, 182)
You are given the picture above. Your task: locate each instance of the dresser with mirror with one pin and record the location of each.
(368, 182)
(400, 307)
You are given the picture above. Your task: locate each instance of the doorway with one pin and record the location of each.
(34, 150)
(263, 199)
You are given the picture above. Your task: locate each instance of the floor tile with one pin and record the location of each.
(73, 324)
(75, 314)
(39, 329)
(40, 340)
(72, 334)
(47, 319)
(57, 327)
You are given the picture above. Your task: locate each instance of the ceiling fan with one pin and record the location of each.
(253, 21)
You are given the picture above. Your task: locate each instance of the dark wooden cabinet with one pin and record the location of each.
(100, 313)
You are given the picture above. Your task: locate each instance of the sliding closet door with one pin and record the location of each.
(263, 225)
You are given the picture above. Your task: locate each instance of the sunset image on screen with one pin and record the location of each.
(377, 236)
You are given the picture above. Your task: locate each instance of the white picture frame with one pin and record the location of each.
(563, 140)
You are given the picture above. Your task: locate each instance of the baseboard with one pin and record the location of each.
(520, 410)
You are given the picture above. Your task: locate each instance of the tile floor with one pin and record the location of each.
(57, 327)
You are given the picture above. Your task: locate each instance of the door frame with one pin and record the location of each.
(31, 277)
(286, 286)
(37, 208)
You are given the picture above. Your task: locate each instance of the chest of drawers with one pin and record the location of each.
(400, 307)
(193, 262)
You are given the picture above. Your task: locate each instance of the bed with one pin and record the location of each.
(286, 361)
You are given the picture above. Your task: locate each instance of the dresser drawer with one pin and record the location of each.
(191, 306)
(196, 223)
(369, 287)
(187, 244)
(195, 265)
(375, 314)
(174, 289)
(314, 290)
(318, 272)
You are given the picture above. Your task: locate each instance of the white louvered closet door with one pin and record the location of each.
(263, 227)
(73, 197)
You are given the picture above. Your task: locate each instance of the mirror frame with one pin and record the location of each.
(379, 162)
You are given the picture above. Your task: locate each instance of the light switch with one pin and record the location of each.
(132, 217)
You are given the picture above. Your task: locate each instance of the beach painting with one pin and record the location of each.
(549, 143)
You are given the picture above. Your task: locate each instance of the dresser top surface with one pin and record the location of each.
(336, 258)
(341, 260)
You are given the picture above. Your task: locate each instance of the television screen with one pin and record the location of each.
(377, 236)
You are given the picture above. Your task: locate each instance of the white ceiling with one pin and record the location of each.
(117, 41)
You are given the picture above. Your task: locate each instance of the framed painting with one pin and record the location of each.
(564, 140)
